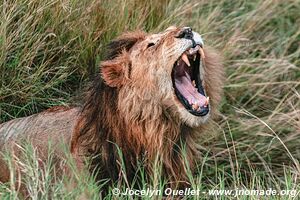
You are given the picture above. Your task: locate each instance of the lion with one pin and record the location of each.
(154, 96)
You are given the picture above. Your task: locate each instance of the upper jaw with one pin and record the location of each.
(198, 39)
(196, 43)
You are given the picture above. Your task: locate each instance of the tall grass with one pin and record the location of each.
(50, 49)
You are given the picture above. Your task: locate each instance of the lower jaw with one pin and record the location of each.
(192, 120)
(204, 110)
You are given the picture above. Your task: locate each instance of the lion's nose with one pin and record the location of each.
(186, 33)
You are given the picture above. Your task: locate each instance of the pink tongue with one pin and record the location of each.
(185, 87)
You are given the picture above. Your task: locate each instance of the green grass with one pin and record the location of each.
(50, 49)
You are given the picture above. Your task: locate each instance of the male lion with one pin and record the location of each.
(153, 98)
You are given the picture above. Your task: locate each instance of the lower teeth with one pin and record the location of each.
(194, 83)
(195, 106)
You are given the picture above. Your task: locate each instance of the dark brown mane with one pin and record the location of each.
(94, 129)
(99, 95)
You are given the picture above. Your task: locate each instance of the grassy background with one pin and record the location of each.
(50, 49)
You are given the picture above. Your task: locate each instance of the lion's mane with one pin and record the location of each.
(143, 135)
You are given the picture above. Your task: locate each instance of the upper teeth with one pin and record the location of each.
(185, 59)
(192, 51)
(201, 53)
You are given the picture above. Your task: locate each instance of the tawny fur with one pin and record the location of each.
(130, 105)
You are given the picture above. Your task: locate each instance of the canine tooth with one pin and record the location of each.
(202, 53)
(207, 101)
(195, 57)
(194, 83)
(185, 59)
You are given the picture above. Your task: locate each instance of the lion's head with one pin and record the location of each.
(170, 72)
(152, 99)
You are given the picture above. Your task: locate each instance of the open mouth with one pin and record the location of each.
(188, 84)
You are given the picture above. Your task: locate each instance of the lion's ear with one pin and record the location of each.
(114, 71)
(117, 67)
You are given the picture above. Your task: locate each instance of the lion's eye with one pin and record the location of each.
(150, 44)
